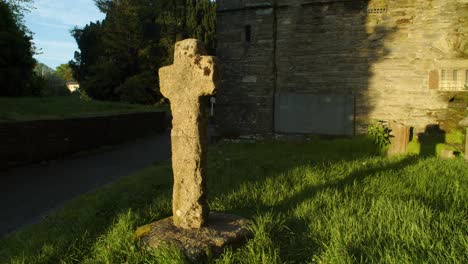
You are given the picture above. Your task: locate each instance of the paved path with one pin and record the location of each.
(29, 192)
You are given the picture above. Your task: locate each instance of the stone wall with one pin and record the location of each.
(392, 55)
(245, 100)
(34, 141)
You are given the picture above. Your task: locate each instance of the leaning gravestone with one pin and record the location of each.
(400, 138)
(192, 227)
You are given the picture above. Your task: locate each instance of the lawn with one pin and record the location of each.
(323, 201)
(34, 108)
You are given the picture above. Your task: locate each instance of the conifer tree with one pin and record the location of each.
(135, 39)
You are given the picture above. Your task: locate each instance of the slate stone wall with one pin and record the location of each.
(389, 54)
(34, 141)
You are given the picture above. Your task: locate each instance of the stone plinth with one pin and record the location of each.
(400, 138)
(220, 231)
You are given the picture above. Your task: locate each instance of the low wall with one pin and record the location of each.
(33, 141)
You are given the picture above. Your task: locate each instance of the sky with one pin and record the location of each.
(51, 22)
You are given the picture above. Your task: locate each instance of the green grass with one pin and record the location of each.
(315, 202)
(434, 144)
(34, 108)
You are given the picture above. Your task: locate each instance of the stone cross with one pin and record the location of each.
(184, 83)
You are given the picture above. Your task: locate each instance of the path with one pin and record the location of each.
(29, 192)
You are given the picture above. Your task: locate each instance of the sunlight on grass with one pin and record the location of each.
(316, 202)
(34, 108)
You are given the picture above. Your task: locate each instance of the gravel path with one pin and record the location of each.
(27, 193)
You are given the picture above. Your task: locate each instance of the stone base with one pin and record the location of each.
(222, 230)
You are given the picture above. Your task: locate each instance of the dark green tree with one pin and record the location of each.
(18, 8)
(119, 57)
(16, 57)
(201, 22)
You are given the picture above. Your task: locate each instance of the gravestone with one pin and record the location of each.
(192, 228)
(400, 138)
(464, 123)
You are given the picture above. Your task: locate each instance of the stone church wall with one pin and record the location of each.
(402, 60)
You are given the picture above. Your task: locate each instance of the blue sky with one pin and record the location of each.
(51, 22)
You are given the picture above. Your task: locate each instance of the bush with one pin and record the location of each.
(55, 86)
(380, 133)
(101, 84)
(139, 89)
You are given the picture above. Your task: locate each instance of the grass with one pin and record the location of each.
(34, 108)
(434, 144)
(316, 202)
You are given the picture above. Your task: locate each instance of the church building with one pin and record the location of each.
(332, 66)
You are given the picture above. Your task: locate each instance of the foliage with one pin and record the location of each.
(380, 133)
(136, 38)
(51, 84)
(16, 57)
(201, 22)
(138, 89)
(33, 108)
(43, 70)
(18, 8)
(315, 202)
(64, 72)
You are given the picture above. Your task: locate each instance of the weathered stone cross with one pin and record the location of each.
(184, 83)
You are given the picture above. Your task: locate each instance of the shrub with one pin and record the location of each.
(139, 89)
(55, 86)
(380, 133)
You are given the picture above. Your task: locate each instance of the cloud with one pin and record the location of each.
(67, 13)
(54, 44)
(52, 25)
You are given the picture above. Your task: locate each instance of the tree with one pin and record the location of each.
(201, 22)
(16, 56)
(64, 71)
(18, 8)
(51, 84)
(120, 56)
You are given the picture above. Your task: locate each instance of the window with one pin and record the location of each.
(449, 75)
(443, 75)
(248, 33)
(451, 79)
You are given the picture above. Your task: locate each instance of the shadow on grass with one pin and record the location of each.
(429, 140)
(89, 222)
(68, 234)
(354, 178)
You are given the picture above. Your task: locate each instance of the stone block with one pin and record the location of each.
(221, 231)
(400, 138)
